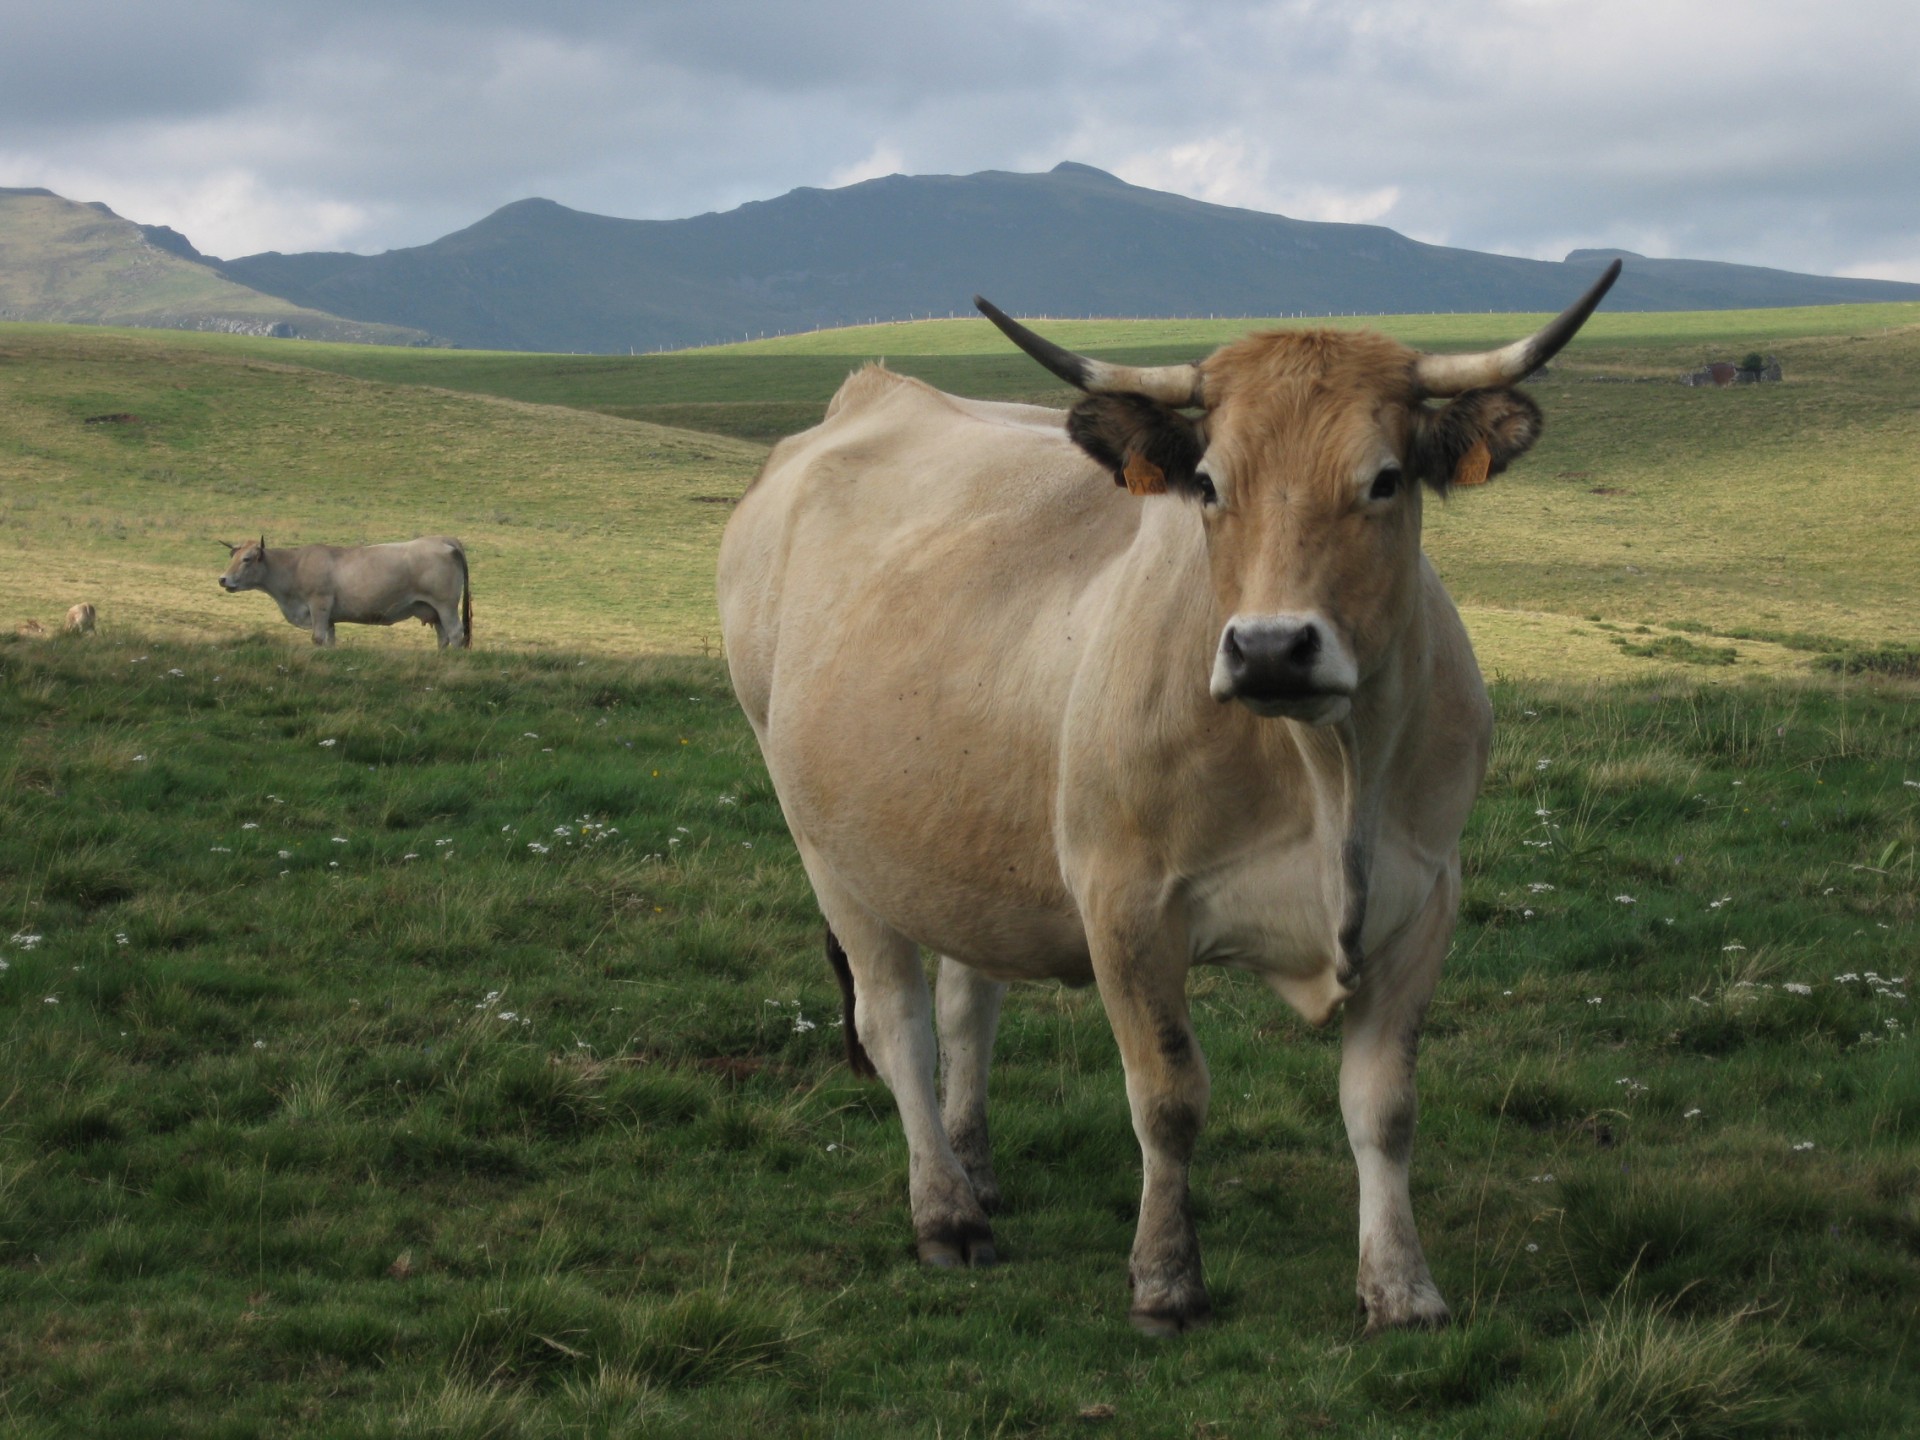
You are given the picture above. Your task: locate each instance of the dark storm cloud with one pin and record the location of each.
(1771, 133)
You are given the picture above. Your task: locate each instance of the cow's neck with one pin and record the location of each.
(1188, 742)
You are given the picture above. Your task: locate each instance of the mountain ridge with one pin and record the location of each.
(1074, 240)
(537, 275)
(78, 262)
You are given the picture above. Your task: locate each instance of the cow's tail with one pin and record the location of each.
(466, 597)
(857, 1059)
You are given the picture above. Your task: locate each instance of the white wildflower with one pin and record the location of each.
(51, 1000)
(251, 825)
(25, 940)
(506, 1015)
(1694, 1113)
(328, 744)
(120, 937)
(259, 1044)
(1539, 887)
(339, 839)
(221, 850)
(1792, 989)
(1593, 1000)
(286, 854)
(1804, 1145)
(537, 847)
(1624, 900)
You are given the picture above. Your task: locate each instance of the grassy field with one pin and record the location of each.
(1768, 524)
(403, 1044)
(584, 531)
(398, 1044)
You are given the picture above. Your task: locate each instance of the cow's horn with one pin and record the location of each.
(1443, 375)
(230, 548)
(1169, 384)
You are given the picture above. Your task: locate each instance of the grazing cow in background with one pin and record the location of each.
(319, 586)
(1050, 728)
(81, 618)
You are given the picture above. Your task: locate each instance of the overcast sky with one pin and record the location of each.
(1774, 132)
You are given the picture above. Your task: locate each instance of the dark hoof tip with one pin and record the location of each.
(940, 1257)
(1166, 1325)
(983, 1257)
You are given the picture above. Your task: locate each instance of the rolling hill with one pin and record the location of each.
(535, 275)
(84, 265)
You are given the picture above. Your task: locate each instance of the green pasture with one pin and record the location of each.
(404, 1044)
(1748, 531)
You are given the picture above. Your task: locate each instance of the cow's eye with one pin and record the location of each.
(1203, 482)
(1386, 484)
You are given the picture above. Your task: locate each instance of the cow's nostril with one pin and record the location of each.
(1305, 646)
(1230, 643)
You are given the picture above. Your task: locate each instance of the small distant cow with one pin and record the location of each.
(319, 586)
(81, 618)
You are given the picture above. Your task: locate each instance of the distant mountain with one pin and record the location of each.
(83, 264)
(1074, 241)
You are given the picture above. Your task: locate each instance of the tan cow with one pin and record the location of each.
(319, 586)
(1048, 728)
(81, 618)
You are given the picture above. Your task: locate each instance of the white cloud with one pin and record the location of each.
(883, 159)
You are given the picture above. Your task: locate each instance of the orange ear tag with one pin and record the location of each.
(1144, 477)
(1473, 466)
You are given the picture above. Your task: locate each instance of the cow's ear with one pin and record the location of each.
(1148, 447)
(263, 543)
(1474, 438)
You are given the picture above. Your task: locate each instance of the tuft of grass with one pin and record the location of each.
(1645, 1373)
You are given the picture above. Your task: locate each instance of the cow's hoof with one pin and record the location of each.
(1166, 1324)
(1171, 1307)
(959, 1245)
(1405, 1306)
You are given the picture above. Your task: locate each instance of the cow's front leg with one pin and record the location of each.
(321, 615)
(1380, 1042)
(1140, 962)
(969, 1012)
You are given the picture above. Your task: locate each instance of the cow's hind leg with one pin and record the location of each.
(893, 1014)
(447, 626)
(969, 1013)
(1380, 1040)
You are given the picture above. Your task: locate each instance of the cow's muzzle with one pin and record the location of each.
(1291, 666)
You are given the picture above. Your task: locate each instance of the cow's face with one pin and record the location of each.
(248, 569)
(1307, 466)
(1306, 457)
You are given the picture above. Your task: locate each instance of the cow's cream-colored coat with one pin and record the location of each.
(320, 586)
(978, 672)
